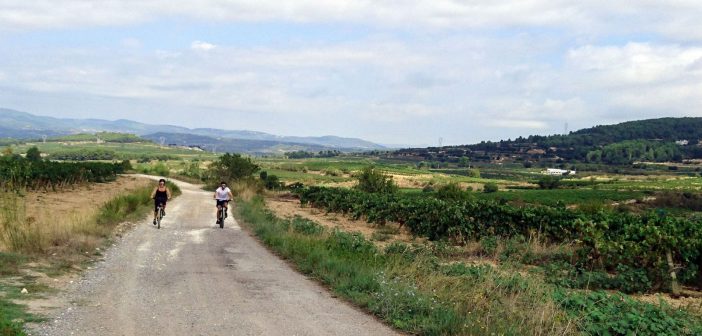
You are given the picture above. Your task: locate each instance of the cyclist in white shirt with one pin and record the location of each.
(223, 195)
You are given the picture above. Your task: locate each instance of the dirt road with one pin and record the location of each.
(193, 278)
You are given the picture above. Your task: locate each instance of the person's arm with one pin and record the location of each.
(215, 195)
(168, 192)
(153, 193)
(231, 196)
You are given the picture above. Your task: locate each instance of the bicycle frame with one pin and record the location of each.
(221, 215)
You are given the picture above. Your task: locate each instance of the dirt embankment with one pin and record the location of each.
(286, 207)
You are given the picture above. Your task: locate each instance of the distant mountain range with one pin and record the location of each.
(233, 145)
(22, 125)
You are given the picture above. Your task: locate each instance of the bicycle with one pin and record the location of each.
(159, 215)
(221, 215)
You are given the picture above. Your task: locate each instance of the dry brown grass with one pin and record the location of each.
(58, 222)
(246, 190)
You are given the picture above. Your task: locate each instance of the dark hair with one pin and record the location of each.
(225, 183)
(162, 180)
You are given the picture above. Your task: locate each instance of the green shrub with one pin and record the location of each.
(372, 180)
(601, 313)
(452, 192)
(272, 182)
(475, 172)
(490, 187)
(488, 245)
(306, 226)
(33, 154)
(549, 182)
(161, 169)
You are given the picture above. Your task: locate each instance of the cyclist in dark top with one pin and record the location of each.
(160, 195)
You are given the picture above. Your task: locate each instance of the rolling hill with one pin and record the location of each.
(22, 125)
(658, 140)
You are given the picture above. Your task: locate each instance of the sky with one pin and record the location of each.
(393, 72)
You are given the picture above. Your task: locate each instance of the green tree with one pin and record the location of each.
(33, 154)
(373, 180)
(232, 167)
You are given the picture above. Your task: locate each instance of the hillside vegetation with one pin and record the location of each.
(625, 143)
(101, 136)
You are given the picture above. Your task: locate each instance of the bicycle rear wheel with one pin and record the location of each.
(158, 217)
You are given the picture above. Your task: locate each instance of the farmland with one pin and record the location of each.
(118, 151)
(619, 233)
(599, 241)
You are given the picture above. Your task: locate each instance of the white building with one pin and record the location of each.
(558, 172)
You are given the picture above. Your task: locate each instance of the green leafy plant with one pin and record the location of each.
(231, 167)
(452, 192)
(373, 180)
(606, 239)
(490, 187)
(602, 313)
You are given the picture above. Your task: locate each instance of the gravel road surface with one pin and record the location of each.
(193, 278)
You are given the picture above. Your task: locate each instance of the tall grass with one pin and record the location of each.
(17, 231)
(82, 230)
(409, 286)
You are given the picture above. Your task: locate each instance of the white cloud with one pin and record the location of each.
(637, 63)
(677, 19)
(442, 77)
(203, 46)
(640, 76)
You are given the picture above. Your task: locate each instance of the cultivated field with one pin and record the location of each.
(448, 249)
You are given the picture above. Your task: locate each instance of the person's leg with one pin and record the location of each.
(155, 211)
